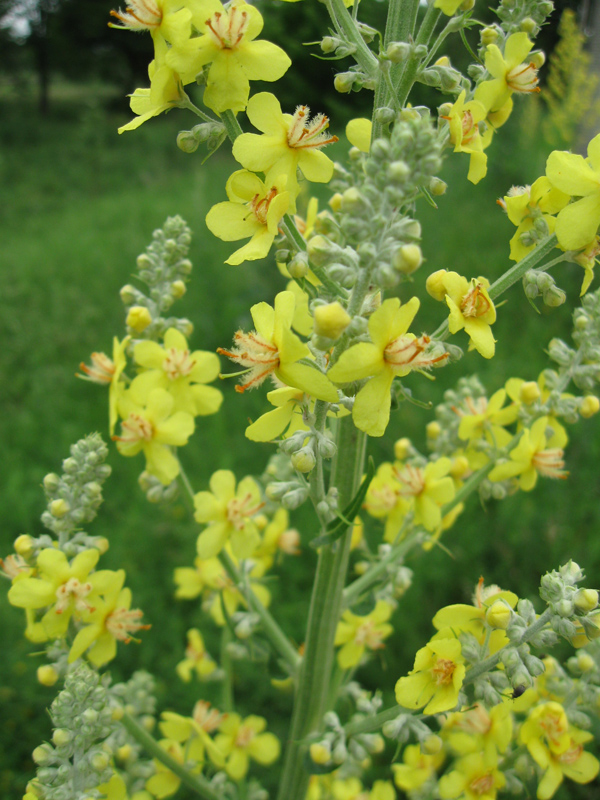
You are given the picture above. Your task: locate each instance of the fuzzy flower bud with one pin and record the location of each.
(498, 615)
(435, 285)
(331, 320)
(138, 318)
(304, 460)
(320, 752)
(529, 392)
(431, 745)
(589, 406)
(298, 266)
(407, 259)
(402, 448)
(23, 545)
(585, 662)
(58, 508)
(47, 675)
(586, 600)
(489, 36)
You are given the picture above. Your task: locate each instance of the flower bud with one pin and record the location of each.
(47, 675)
(320, 250)
(331, 320)
(335, 202)
(585, 662)
(586, 600)
(294, 498)
(398, 172)
(344, 81)
(23, 545)
(138, 318)
(178, 289)
(100, 761)
(43, 754)
(384, 115)
(298, 266)
(407, 259)
(489, 36)
(529, 392)
(460, 467)
(538, 59)
(589, 406)
(128, 292)
(51, 481)
(58, 508)
(554, 296)
(398, 51)
(304, 460)
(437, 187)
(328, 44)
(433, 429)
(402, 448)
(320, 752)
(61, 737)
(435, 285)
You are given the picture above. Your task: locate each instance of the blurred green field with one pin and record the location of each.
(78, 203)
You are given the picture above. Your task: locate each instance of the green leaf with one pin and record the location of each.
(343, 521)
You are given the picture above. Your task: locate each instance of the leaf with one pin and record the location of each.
(343, 521)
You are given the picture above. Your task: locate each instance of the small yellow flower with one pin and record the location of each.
(228, 512)
(240, 740)
(525, 205)
(471, 779)
(436, 678)
(287, 143)
(470, 307)
(151, 425)
(227, 43)
(430, 488)
(509, 72)
(273, 350)
(196, 658)
(254, 210)
(183, 374)
(463, 119)
(358, 634)
(417, 768)
(535, 454)
(391, 352)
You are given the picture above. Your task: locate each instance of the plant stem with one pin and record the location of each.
(375, 722)
(232, 126)
(272, 630)
(411, 68)
(311, 699)
(197, 783)
(227, 666)
(346, 25)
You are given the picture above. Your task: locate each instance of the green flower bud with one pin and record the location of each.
(586, 600)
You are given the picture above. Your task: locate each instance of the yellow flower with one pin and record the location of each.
(165, 92)
(272, 349)
(487, 419)
(206, 575)
(392, 352)
(164, 782)
(472, 779)
(574, 763)
(385, 500)
(358, 132)
(577, 223)
(196, 658)
(240, 740)
(110, 621)
(479, 730)
(166, 19)
(253, 210)
(417, 769)
(546, 727)
(358, 634)
(534, 455)
(463, 119)
(151, 425)
(181, 373)
(436, 678)
(227, 44)
(63, 588)
(449, 7)
(470, 307)
(229, 512)
(286, 144)
(526, 204)
(107, 370)
(509, 72)
(430, 488)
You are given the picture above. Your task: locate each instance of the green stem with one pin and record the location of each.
(232, 126)
(195, 110)
(411, 68)
(375, 722)
(227, 703)
(312, 693)
(197, 783)
(272, 630)
(342, 19)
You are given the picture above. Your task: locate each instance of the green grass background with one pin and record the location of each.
(77, 205)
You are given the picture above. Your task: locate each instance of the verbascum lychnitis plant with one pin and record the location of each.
(487, 709)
